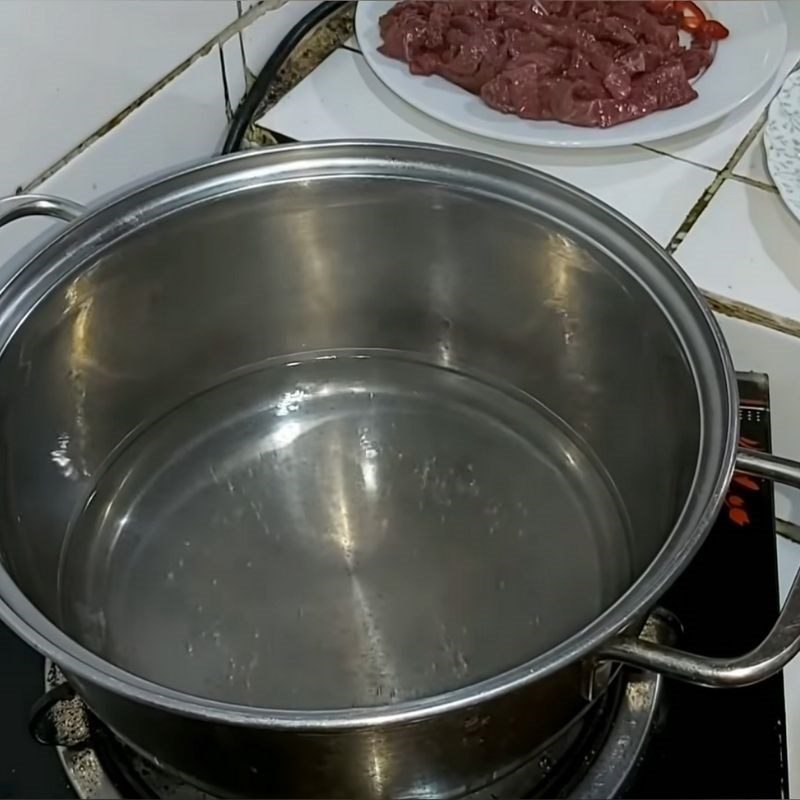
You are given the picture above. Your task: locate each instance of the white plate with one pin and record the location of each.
(782, 142)
(744, 62)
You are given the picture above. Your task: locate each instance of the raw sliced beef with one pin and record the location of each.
(579, 62)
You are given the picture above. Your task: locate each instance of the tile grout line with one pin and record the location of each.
(230, 30)
(249, 78)
(245, 71)
(694, 213)
(788, 530)
(754, 182)
(708, 195)
(676, 158)
(752, 314)
(225, 90)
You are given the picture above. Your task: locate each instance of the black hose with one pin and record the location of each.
(248, 107)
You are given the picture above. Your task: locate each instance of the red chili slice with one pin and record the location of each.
(693, 16)
(690, 9)
(715, 30)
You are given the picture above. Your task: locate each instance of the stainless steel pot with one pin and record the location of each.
(418, 656)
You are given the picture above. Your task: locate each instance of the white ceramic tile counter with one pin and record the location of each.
(745, 246)
(104, 56)
(706, 195)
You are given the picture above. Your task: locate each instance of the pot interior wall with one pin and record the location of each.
(453, 276)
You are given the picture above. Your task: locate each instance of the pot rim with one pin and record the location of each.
(22, 616)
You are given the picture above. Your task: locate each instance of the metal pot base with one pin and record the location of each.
(592, 760)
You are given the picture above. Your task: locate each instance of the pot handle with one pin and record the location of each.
(38, 205)
(779, 647)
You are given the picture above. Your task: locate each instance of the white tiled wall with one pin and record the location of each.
(68, 67)
(183, 123)
(99, 94)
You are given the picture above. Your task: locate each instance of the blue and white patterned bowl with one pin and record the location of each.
(782, 142)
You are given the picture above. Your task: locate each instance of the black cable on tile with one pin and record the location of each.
(248, 107)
